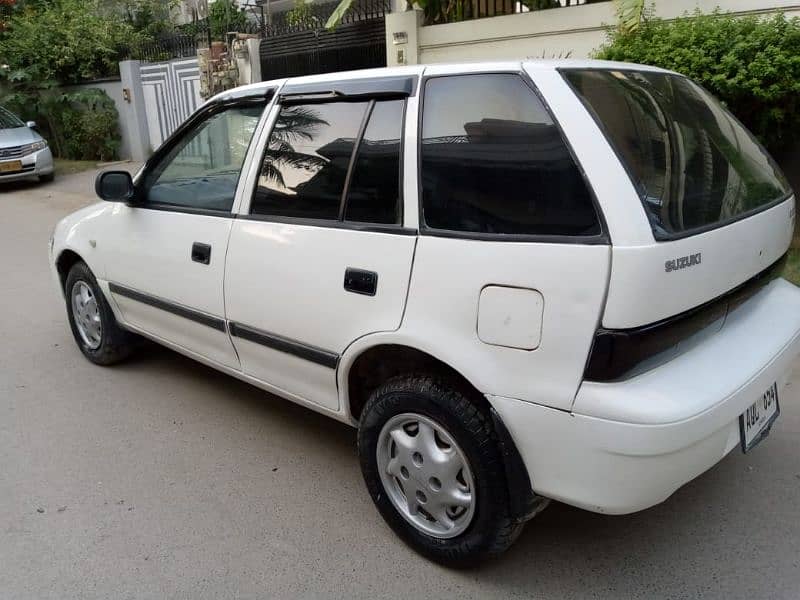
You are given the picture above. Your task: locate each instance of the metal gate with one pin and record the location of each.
(171, 93)
(290, 49)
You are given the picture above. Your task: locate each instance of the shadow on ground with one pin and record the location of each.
(699, 543)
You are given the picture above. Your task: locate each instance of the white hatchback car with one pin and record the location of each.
(520, 281)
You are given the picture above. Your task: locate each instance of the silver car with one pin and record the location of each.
(23, 152)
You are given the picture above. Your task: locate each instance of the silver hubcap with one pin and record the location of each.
(426, 475)
(86, 315)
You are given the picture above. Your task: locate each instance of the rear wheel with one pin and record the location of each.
(433, 467)
(92, 321)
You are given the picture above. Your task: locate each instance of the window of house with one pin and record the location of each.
(494, 162)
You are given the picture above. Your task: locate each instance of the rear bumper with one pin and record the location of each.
(629, 445)
(33, 165)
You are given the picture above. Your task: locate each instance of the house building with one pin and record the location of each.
(568, 29)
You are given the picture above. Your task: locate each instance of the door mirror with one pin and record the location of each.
(114, 186)
(31, 124)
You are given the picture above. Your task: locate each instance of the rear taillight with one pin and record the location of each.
(618, 353)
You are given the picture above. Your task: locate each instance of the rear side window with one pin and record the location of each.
(694, 165)
(493, 161)
(318, 164)
(375, 186)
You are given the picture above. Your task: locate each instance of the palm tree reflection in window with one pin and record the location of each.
(306, 163)
(294, 123)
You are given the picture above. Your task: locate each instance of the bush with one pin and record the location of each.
(79, 124)
(751, 64)
(87, 125)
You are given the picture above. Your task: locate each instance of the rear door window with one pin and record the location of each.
(337, 161)
(493, 161)
(305, 166)
(694, 165)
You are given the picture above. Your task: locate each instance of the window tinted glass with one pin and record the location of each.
(306, 162)
(374, 192)
(202, 170)
(692, 162)
(493, 161)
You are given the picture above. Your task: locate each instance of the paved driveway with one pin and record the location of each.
(161, 478)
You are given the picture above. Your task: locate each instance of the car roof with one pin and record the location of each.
(544, 64)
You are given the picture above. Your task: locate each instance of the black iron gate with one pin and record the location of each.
(295, 46)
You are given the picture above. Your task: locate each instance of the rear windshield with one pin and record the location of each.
(8, 120)
(694, 164)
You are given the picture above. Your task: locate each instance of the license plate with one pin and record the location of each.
(757, 420)
(10, 167)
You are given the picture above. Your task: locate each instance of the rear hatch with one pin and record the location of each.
(721, 213)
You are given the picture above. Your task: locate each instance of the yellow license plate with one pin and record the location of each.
(10, 167)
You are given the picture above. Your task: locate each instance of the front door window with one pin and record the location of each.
(201, 171)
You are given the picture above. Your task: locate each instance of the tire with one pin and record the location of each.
(47, 178)
(112, 344)
(490, 529)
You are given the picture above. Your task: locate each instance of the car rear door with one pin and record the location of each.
(166, 250)
(320, 256)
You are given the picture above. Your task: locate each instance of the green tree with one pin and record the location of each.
(48, 43)
(64, 40)
(149, 17)
(225, 16)
(299, 14)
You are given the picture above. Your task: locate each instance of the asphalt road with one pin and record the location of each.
(161, 478)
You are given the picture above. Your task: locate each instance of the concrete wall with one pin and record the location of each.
(114, 90)
(576, 31)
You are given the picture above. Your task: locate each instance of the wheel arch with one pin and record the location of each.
(364, 368)
(67, 259)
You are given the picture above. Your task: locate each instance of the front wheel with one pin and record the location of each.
(92, 321)
(433, 467)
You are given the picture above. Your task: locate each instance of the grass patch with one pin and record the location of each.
(792, 269)
(68, 167)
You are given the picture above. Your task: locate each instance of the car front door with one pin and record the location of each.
(166, 254)
(320, 257)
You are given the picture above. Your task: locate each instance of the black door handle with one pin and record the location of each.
(360, 281)
(201, 253)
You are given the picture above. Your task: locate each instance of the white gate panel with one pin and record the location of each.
(171, 94)
(153, 100)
